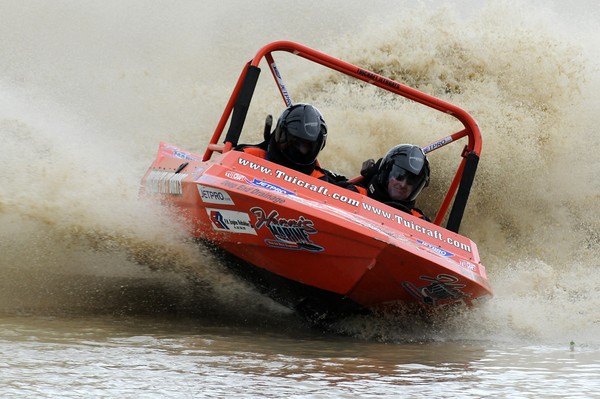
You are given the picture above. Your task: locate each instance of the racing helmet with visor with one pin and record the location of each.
(405, 162)
(301, 133)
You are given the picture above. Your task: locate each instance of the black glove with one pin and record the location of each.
(367, 168)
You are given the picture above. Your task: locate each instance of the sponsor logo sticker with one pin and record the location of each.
(270, 186)
(162, 182)
(287, 233)
(235, 176)
(230, 221)
(434, 249)
(212, 195)
(441, 288)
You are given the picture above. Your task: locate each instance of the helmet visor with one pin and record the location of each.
(410, 189)
(300, 151)
(401, 174)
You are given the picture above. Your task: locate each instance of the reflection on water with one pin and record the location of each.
(163, 357)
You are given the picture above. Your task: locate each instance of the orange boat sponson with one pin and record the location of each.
(334, 242)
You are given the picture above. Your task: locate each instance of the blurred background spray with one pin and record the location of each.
(88, 90)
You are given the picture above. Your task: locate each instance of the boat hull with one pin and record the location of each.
(317, 239)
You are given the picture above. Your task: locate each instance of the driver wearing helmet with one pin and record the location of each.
(398, 178)
(299, 136)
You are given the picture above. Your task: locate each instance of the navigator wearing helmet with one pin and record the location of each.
(299, 136)
(398, 178)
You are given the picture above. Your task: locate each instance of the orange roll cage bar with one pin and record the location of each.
(240, 100)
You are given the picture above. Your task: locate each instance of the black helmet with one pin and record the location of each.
(301, 133)
(405, 161)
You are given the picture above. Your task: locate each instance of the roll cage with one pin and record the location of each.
(239, 102)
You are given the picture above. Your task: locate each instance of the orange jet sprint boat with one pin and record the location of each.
(320, 249)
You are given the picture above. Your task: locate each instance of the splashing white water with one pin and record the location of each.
(86, 94)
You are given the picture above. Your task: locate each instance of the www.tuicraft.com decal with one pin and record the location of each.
(304, 185)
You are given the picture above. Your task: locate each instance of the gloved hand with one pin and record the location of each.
(367, 167)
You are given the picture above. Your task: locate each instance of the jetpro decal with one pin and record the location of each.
(212, 195)
(441, 288)
(165, 182)
(436, 250)
(437, 144)
(280, 174)
(288, 233)
(245, 188)
(258, 183)
(284, 92)
(269, 186)
(230, 221)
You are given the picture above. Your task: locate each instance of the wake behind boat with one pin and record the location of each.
(316, 247)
